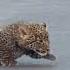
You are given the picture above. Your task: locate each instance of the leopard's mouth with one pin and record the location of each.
(32, 54)
(37, 55)
(41, 53)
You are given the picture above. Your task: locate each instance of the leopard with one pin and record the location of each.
(24, 38)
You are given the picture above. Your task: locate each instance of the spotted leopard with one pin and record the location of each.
(23, 38)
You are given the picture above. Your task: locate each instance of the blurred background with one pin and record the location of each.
(56, 13)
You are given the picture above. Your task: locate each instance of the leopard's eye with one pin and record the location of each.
(47, 49)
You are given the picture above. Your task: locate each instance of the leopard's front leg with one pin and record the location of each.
(8, 58)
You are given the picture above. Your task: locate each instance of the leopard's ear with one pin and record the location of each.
(44, 24)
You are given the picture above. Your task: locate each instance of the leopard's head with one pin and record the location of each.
(41, 45)
(35, 37)
(35, 34)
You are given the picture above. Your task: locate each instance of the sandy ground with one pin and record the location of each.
(57, 14)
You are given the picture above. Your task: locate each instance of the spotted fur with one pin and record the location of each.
(17, 38)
